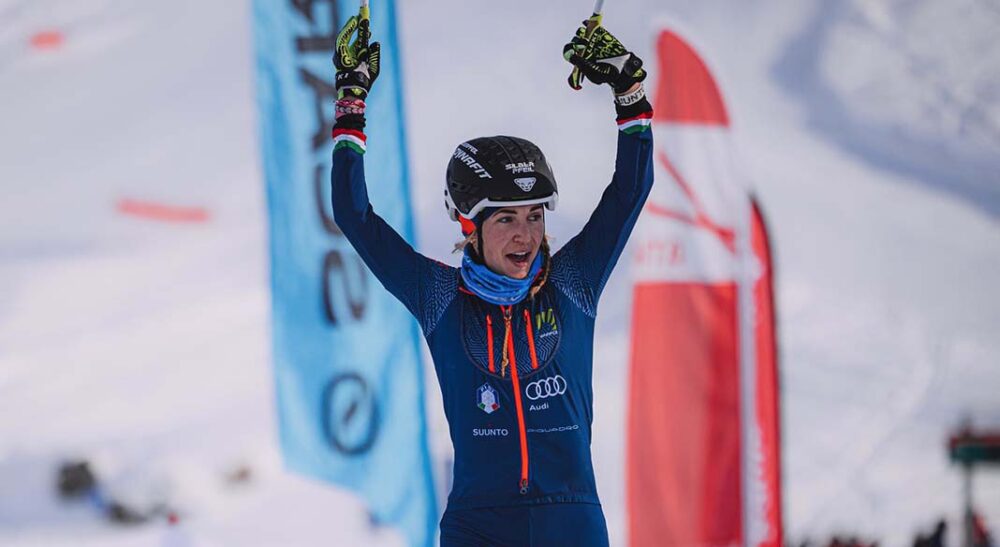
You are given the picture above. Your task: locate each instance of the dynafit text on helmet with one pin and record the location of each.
(511, 330)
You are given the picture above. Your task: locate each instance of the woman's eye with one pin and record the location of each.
(535, 218)
(504, 220)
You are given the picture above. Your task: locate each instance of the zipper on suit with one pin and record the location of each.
(519, 407)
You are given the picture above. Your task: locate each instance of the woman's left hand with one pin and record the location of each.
(603, 59)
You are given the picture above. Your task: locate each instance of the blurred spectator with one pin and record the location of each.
(76, 480)
(980, 533)
(937, 539)
(839, 541)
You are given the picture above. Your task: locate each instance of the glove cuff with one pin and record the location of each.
(629, 99)
(352, 84)
(632, 104)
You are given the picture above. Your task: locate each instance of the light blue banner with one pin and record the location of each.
(346, 353)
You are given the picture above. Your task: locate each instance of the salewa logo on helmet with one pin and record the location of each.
(470, 161)
(526, 183)
(545, 388)
(486, 399)
(520, 167)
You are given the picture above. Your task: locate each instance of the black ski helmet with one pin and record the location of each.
(496, 172)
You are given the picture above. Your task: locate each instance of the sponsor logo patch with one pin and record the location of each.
(471, 162)
(554, 429)
(547, 319)
(545, 388)
(542, 406)
(491, 432)
(520, 167)
(526, 183)
(486, 399)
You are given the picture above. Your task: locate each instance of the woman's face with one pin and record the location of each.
(511, 239)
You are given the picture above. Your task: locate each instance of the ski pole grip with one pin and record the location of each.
(575, 76)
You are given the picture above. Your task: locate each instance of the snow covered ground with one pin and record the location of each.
(871, 130)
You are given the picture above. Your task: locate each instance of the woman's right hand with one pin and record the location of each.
(358, 62)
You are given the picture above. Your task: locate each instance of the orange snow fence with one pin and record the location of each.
(161, 212)
(47, 40)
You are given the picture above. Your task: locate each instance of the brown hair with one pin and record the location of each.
(470, 239)
(543, 275)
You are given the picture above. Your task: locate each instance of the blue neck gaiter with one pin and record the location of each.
(497, 288)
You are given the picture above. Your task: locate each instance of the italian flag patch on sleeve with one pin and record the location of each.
(636, 124)
(349, 138)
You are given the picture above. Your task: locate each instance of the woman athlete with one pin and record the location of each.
(511, 331)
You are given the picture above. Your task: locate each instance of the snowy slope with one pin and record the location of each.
(146, 343)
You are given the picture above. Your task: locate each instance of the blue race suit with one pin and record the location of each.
(521, 432)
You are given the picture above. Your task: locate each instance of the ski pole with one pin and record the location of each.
(365, 13)
(575, 77)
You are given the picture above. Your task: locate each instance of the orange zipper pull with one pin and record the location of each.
(531, 340)
(519, 409)
(505, 360)
(489, 341)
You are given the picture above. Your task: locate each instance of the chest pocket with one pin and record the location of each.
(534, 326)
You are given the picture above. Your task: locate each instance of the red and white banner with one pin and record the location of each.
(703, 449)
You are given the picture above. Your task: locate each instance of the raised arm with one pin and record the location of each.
(408, 275)
(583, 265)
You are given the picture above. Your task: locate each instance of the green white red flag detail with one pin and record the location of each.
(636, 124)
(349, 138)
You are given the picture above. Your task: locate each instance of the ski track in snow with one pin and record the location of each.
(146, 346)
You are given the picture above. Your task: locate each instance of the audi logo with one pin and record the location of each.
(546, 387)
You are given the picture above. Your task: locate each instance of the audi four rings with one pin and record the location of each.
(546, 387)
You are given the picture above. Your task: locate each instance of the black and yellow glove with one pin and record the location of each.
(357, 62)
(603, 59)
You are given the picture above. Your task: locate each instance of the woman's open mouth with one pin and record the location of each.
(519, 259)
